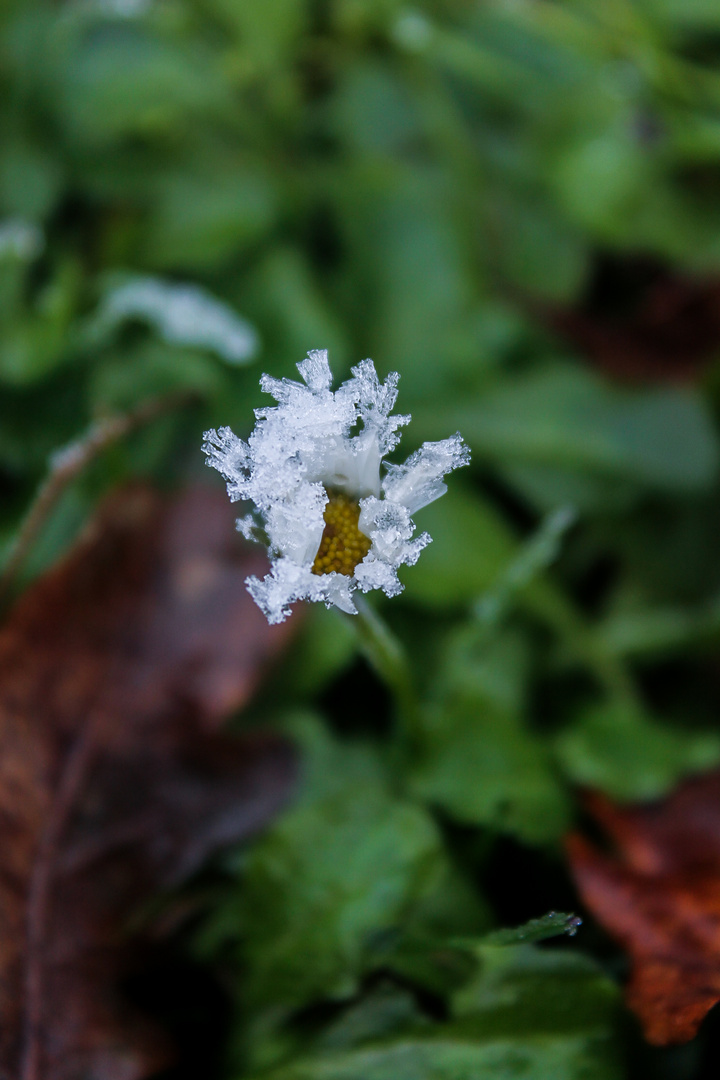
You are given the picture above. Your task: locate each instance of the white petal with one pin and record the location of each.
(231, 457)
(286, 583)
(374, 574)
(374, 401)
(295, 525)
(348, 465)
(419, 481)
(339, 589)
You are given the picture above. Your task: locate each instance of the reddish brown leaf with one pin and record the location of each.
(642, 321)
(659, 896)
(115, 671)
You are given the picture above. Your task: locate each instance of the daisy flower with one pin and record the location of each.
(334, 515)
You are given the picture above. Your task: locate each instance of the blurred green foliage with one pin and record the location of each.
(428, 184)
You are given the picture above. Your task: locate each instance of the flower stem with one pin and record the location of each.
(68, 462)
(386, 655)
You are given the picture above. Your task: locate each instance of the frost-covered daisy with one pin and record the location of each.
(334, 515)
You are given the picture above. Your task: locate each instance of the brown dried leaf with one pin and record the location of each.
(659, 896)
(116, 669)
(641, 321)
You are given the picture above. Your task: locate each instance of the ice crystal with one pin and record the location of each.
(313, 469)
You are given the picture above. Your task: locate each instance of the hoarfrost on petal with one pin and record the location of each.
(420, 480)
(388, 525)
(295, 525)
(339, 593)
(372, 574)
(288, 582)
(230, 456)
(351, 466)
(414, 548)
(374, 401)
(315, 370)
(248, 527)
(390, 528)
(302, 413)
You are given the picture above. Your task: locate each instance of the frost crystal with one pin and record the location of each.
(334, 515)
(181, 315)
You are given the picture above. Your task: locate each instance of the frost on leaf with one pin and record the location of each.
(181, 315)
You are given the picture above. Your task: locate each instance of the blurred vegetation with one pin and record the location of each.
(515, 204)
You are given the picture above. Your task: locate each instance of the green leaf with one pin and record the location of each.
(372, 111)
(471, 546)
(324, 649)
(695, 14)
(546, 926)
(31, 178)
(566, 415)
(200, 220)
(383, 1011)
(116, 81)
(601, 181)
(295, 314)
(483, 766)
(523, 988)
(412, 267)
(327, 877)
(456, 1053)
(152, 370)
(528, 1014)
(649, 631)
(538, 251)
(268, 32)
(629, 756)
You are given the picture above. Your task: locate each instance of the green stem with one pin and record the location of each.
(388, 658)
(608, 669)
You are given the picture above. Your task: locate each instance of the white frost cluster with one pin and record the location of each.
(313, 441)
(181, 315)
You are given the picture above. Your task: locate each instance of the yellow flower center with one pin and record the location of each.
(343, 546)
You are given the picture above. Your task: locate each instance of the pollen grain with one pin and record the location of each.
(343, 546)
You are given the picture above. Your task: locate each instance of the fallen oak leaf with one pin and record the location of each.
(658, 895)
(116, 670)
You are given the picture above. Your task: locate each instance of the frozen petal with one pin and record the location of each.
(348, 465)
(286, 583)
(374, 401)
(295, 526)
(248, 527)
(390, 528)
(339, 592)
(372, 574)
(420, 480)
(230, 456)
(180, 314)
(315, 370)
